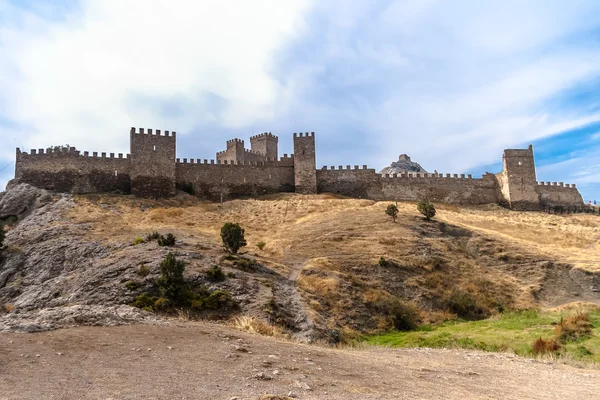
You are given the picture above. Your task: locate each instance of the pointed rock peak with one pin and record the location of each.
(404, 164)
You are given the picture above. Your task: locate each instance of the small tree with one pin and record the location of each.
(171, 282)
(427, 209)
(233, 237)
(392, 211)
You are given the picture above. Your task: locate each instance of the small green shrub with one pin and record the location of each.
(405, 315)
(261, 245)
(152, 236)
(231, 274)
(171, 282)
(465, 305)
(215, 274)
(218, 299)
(143, 270)
(427, 209)
(233, 237)
(168, 240)
(244, 263)
(131, 285)
(383, 262)
(138, 240)
(162, 303)
(392, 211)
(144, 301)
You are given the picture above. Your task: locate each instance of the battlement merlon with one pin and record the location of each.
(264, 135)
(157, 132)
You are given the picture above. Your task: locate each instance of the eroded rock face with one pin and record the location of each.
(403, 165)
(20, 200)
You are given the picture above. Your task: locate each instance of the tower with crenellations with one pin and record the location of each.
(152, 167)
(305, 175)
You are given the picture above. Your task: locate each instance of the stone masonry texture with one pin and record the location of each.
(152, 170)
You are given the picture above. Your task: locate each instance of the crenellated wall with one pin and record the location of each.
(223, 181)
(69, 170)
(366, 183)
(558, 193)
(153, 171)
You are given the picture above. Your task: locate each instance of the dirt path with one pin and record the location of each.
(206, 361)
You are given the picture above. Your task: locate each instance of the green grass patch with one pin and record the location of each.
(512, 331)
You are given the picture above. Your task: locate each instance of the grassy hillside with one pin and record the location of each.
(358, 272)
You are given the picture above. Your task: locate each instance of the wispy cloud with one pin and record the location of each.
(450, 83)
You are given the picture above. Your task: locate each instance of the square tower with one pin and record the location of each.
(234, 153)
(305, 165)
(266, 144)
(152, 163)
(518, 182)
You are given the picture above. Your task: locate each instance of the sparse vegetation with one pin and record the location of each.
(427, 209)
(167, 240)
(261, 245)
(131, 285)
(259, 326)
(465, 305)
(143, 270)
(152, 236)
(215, 274)
(233, 237)
(138, 240)
(392, 211)
(171, 282)
(176, 291)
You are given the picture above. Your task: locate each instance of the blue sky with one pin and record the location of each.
(451, 83)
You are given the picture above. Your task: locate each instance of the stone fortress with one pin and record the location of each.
(152, 170)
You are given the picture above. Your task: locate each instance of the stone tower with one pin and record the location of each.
(234, 153)
(265, 144)
(152, 163)
(305, 165)
(518, 181)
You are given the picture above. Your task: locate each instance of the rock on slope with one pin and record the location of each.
(404, 164)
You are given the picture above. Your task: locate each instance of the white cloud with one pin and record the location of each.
(86, 79)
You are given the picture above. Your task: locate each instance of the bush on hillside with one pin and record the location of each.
(152, 236)
(392, 211)
(261, 245)
(171, 283)
(427, 209)
(215, 274)
(168, 240)
(541, 346)
(137, 241)
(233, 237)
(572, 328)
(465, 305)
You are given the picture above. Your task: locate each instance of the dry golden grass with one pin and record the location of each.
(258, 326)
(333, 245)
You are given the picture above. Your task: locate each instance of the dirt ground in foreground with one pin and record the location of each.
(209, 361)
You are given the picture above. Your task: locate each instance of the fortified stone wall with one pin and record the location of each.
(558, 193)
(223, 181)
(366, 183)
(67, 170)
(153, 171)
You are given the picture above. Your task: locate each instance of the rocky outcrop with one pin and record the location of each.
(403, 165)
(20, 200)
